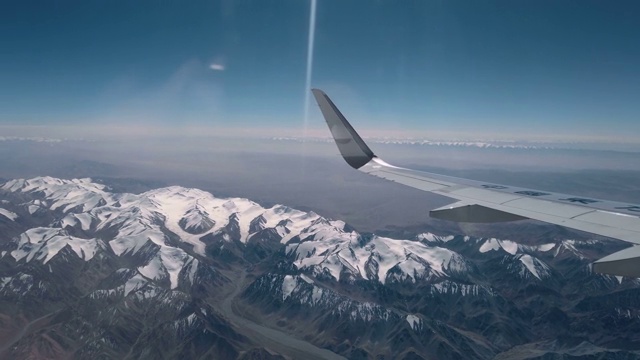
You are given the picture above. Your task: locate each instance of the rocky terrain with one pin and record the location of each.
(87, 272)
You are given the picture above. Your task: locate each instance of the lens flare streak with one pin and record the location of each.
(307, 85)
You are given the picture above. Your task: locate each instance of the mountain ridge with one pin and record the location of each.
(181, 251)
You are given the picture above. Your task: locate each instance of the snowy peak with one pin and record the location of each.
(414, 321)
(77, 195)
(573, 248)
(512, 247)
(520, 259)
(381, 259)
(495, 245)
(8, 214)
(525, 260)
(43, 244)
(192, 214)
(196, 221)
(433, 238)
(526, 266)
(534, 267)
(168, 263)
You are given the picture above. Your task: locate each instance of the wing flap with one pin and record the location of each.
(474, 213)
(624, 263)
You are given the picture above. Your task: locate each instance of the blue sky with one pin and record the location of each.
(494, 67)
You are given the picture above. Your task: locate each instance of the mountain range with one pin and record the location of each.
(174, 272)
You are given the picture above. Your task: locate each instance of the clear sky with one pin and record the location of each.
(492, 67)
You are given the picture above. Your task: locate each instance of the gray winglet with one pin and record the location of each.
(353, 149)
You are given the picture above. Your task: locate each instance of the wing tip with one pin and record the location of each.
(317, 92)
(352, 148)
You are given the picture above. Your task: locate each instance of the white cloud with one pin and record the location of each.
(216, 67)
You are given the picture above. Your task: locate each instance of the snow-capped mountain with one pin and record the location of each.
(119, 271)
(381, 259)
(140, 221)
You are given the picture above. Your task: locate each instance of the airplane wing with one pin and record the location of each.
(485, 202)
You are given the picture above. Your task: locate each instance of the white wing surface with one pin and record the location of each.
(488, 202)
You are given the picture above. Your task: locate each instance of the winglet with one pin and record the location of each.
(353, 149)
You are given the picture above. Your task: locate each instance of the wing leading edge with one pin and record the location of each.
(488, 202)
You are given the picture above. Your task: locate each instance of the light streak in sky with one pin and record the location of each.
(307, 85)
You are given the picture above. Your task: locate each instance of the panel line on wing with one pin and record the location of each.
(414, 178)
(575, 216)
